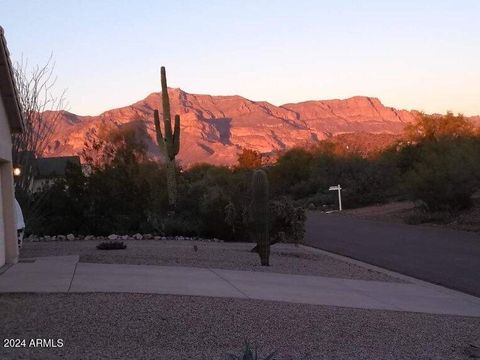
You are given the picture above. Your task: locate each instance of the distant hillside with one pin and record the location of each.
(215, 128)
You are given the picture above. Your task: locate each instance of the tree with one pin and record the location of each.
(249, 159)
(35, 90)
(291, 173)
(444, 174)
(436, 127)
(113, 146)
(118, 160)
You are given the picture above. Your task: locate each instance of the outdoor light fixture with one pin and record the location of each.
(17, 171)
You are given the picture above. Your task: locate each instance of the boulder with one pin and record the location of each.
(70, 237)
(138, 236)
(112, 237)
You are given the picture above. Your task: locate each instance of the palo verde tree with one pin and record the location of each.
(168, 142)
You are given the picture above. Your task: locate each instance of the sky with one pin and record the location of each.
(422, 54)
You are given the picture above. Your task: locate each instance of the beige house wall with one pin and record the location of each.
(8, 231)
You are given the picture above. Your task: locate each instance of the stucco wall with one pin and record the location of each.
(8, 231)
(5, 139)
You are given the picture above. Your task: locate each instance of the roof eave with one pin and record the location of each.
(8, 88)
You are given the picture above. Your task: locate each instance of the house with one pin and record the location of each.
(47, 170)
(11, 121)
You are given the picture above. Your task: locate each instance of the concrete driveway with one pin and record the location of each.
(445, 257)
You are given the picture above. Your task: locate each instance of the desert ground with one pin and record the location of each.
(105, 325)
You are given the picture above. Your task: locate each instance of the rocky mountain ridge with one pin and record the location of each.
(214, 129)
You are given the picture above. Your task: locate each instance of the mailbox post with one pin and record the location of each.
(339, 189)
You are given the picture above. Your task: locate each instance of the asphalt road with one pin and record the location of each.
(445, 257)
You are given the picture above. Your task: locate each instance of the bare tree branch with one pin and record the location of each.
(41, 110)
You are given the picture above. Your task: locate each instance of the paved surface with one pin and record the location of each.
(65, 274)
(442, 256)
(47, 274)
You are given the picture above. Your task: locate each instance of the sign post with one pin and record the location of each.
(339, 189)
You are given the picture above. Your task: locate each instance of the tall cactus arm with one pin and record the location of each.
(176, 135)
(165, 99)
(158, 131)
(166, 104)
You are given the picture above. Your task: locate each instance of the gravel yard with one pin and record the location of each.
(285, 258)
(135, 326)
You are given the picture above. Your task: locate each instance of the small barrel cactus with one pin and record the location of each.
(259, 215)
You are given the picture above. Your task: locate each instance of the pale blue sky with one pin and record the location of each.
(411, 54)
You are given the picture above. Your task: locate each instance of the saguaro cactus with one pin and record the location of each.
(259, 215)
(168, 142)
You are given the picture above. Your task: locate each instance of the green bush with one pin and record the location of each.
(173, 226)
(420, 216)
(287, 219)
(444, 174)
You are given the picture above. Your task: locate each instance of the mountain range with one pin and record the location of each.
(214, 129)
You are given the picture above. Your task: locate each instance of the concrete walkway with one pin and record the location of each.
(66, 274)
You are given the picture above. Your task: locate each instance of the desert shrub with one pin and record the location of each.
(321, 200)
(177, 225)
(365, 181)
(444, 174)
(212, 212)
(288, 219)
(438, 127)
(291, 173)
(305, 175)
(249, 159)
(421, 216)
(56, 208)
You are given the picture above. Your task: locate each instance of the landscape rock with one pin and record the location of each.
(113, 237)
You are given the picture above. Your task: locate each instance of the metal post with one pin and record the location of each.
(339, 198)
